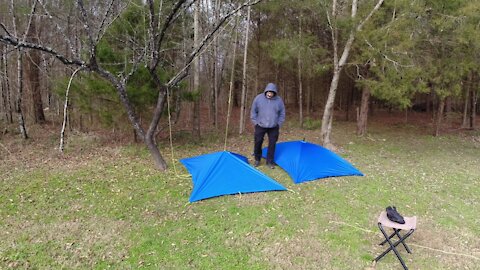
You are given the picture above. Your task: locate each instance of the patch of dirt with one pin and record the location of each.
(452, 249)
(73, 241)
(41, 150)
(303, 251)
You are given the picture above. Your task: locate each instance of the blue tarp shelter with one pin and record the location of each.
(223, 173)
(305, 161)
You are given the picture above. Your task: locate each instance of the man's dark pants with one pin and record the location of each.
(272, 134)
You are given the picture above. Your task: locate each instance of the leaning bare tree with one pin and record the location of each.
(148, 50)
(340, 62)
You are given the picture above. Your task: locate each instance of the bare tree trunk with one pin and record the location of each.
(309, 97)
(65, 112)
(9, 91)
(299, 73)
(429, 102)
(213, 87)
(363, 115)
(350, 99)
(6, 88)
(300, 93)
(32, 74)
(338, 65)
(18, 98)
(18, 101)
(3, 90)
(439, 117)
(473, 111)
(214, 94)
(448, 110)
(220, 83)
(328, 111)
(259, 56)
(196, 74)
(241, 125)
(465, 122)
(230, 91)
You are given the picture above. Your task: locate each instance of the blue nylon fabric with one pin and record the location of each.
(305, 161)
(224, 173)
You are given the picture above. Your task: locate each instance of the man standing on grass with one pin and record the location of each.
(268, 115)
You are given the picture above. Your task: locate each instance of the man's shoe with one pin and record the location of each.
(271, 165)
(257, 163)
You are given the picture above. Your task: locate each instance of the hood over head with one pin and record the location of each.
(271, 87)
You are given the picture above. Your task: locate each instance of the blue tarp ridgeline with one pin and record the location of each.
(305, 161)
(223, 173)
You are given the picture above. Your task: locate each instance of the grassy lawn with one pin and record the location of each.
(104, 206)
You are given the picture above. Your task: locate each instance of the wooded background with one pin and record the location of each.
(135, 63)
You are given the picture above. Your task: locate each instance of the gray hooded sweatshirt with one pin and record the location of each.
(268, 112)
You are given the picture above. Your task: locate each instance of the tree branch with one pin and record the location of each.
(88, 30)
(162, 33)
(67, 40)
(205, 40)
(34, 7)
(107, 12)
(14, 18)
(102, 30)
(9, 40)
(395, 63)
(136, 63)
(377, 6)
(5, 29)
(348, 44)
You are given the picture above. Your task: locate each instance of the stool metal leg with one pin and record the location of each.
(389, 237)
(393, 245)
(403, 242)
(397, 233)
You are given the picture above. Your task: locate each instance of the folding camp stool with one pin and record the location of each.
(410, 226)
